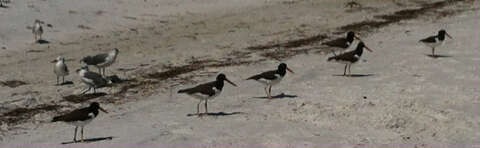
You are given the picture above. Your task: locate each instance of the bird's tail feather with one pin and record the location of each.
(55, 119)
(331, 58)
(182, 91)
(252, 78)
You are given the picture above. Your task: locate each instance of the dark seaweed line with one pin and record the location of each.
(292, 43)
(22, 114)
(387, 19)
(363, 26)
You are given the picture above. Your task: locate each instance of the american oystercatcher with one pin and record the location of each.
(343, 43)
(207, 91)
(80, 117)
(436, 40)
(92, 79)
(101, 61)
(351, 57)
(270, 78)
(60, 68)
(37, 30)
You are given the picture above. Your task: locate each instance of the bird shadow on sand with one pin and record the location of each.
(356, 75)
(217, 114)
(280, 96)
(41, 41)
(3, 6)
(66, 83)
(438, 56)
(89, 140)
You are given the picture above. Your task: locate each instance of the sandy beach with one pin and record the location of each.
(398, 97)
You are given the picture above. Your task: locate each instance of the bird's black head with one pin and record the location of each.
(350, 36)
(96, 106)
(361, 45)
(221, 77)
(282, 69)
(442, 33)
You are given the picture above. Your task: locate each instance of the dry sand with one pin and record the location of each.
(401, 97)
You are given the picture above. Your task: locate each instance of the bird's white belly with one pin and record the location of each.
(348, 62)
(343, 62)
(433, 45)
(201, 96)
(37, 29)
(270, 82)
(59, 70)
(80, 123)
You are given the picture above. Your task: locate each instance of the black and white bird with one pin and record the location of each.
(343, 43)
(60, 69)
(37, 30)
(91, 79)
(272, 77)
(207, 91)
(350, 58)
(80, 117)
(101, 61)
(436, 40)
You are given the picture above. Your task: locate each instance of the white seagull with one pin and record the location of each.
(60, 68)
(37, 30)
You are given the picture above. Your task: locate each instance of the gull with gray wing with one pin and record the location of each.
(101, 61)
(91, 79)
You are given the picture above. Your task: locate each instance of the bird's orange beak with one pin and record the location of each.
(290, 70)
(103, 110)
(54, 61)
(449, 36)
(231, 82)
(368, 49)
(358, 38)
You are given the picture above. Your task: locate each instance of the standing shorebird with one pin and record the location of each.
(37, 30)
(207, 91)
(101, 61)
(351, 57)
(436, 40)
(272, 77)
(60, 68)
(343, 43)
(91, 79)
(80, 117)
